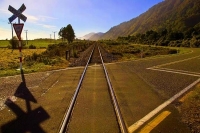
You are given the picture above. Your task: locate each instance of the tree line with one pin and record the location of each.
(164, 37)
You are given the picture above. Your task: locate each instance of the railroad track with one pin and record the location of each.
(94, 106)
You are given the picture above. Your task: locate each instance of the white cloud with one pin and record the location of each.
(47, 17)
(47, 26)
(32, 18)
(4, 11)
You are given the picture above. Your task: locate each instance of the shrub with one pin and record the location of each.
(186, 43)
(172, 51)
(32, 46)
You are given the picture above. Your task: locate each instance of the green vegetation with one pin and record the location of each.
(126, 51)
(4, 43)
(34, 60)
(9, 61)
(38, 43)
(42, 43)
(189, 38)
(14, 43)
(67, 33)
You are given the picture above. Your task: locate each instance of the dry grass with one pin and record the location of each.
(9, 62)
(190, 109)
(10, 58)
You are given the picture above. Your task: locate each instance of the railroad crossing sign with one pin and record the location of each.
(18, 29)
(17, 13)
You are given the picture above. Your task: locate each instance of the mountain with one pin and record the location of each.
(96, 36)
(87, 36)
(174, 15)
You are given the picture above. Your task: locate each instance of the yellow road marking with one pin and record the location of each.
(140, 122)
(151, 125)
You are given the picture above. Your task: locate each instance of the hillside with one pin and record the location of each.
(174, 15)
(87, 36)
(96, 36)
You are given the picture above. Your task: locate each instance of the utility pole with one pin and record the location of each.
(50, 38)
(11, 29)
(26, 37)
(54, 35)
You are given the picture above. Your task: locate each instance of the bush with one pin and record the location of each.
(32, 46)
(195, 43)
(14, 43)
(35, 56)
(172, 51)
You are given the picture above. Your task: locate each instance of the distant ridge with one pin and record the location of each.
(87, 36)
(92, 36)
(176, 15)
(96, 36)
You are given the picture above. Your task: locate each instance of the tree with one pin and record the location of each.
(67, 33)
(60, 33)
(14, 43)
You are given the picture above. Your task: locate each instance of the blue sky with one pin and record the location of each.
(47, 16)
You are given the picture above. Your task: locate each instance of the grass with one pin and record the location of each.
(9, 61)
(189, 109)
(130, 51)
(40, 43)
(34, 60)
(4, 43)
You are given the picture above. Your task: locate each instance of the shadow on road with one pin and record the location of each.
(26, 121)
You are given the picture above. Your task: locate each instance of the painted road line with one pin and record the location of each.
(151, 125)
(174, 62)
(177, 72)
(180, 71)
(49, 88)
(140, 122)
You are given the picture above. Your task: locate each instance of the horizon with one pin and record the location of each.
(85, 16)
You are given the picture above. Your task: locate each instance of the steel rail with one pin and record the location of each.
(73, 100)
(115, 103)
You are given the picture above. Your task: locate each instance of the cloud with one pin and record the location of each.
(47, 26)
(47, 17)
(32, 18)
(36, 20)
(4, 11)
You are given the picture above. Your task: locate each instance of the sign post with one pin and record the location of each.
(18, 27)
